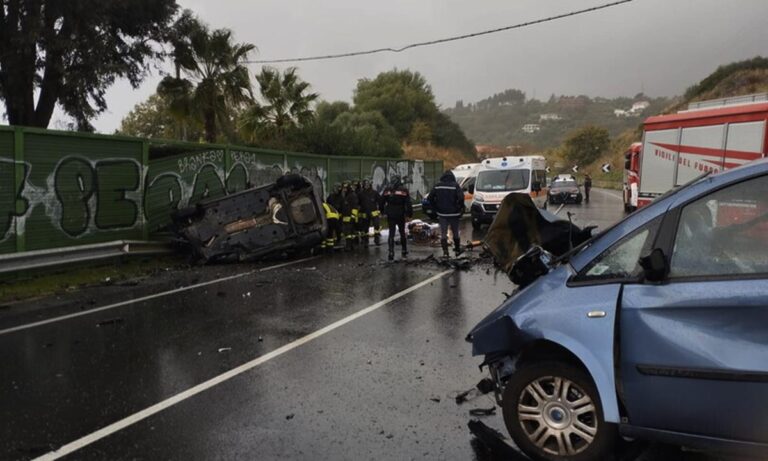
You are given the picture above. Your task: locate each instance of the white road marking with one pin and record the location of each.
(148, 297)
(191, 392)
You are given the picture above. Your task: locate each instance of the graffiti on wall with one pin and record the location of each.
(412, 173)
(80, 196)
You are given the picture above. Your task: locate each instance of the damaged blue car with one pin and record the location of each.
(655, 329)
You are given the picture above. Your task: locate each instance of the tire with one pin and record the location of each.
(557, 419)
(476, 224)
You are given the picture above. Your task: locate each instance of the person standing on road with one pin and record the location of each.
(335, 202)
(587, 187)
(369, 212)
(447, 199)
(347, 226)
(398, 208)
(354, 202)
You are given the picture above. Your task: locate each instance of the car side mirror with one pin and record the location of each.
(654, 264)
(536, 186)
(471, 188)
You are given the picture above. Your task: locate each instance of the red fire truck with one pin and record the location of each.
(708, 136)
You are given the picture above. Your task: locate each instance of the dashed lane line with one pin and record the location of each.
(191, 392)
(148, 297)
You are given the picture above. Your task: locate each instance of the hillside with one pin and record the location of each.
(450, 156)
(499, 120)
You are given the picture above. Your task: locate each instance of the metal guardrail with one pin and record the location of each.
(730, 101)
(67, 255)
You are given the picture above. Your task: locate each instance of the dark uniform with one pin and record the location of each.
(332, 206)
(348, 204)
(447, 199)
(370, 212)
(397, 206)
(587, 187)
(356, 218)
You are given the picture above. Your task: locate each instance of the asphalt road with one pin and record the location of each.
(339, 357)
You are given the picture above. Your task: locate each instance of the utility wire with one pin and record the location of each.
(441, 40)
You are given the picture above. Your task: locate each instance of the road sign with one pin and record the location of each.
(548, 170)
(606, 167)
(575, 168)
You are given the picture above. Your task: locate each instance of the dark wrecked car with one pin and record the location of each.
(655, 329)
(286, 216)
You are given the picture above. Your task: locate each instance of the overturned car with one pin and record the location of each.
(286, 216)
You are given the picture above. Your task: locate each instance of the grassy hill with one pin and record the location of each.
(735, 79)
(499, 120)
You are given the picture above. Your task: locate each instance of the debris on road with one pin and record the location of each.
(494, 441)
(282, 217)
(113, 321)
(484, 386)
(224, 349)
(482, 411)
(290, 416)
(435, 399)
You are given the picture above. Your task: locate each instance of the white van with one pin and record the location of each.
(466, 175)
(503, 175)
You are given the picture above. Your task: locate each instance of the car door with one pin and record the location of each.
(694, 347)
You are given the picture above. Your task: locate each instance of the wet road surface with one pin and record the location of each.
(340, 357)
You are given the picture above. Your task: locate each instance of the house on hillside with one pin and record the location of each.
(549, 117)
(639, 107)
(531, 128)
(620, 113)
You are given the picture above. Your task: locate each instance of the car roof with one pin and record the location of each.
(673, 199)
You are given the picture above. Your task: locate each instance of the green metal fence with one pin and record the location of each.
(63, 188)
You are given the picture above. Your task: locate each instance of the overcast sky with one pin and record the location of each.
(659, 46)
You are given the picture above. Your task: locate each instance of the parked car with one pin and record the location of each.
(286, 216)
(657, 328)
(564, 191)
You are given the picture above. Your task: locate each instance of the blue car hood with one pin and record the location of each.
(505, 328)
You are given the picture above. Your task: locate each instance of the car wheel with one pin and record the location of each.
(476, 224)
(553, 412)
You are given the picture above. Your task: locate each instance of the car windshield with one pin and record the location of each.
(502, 180)
(459, 178)
(564, 184)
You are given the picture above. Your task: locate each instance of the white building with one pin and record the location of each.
(531, 127)
(549, 117)
(639, 106)
(619, 113)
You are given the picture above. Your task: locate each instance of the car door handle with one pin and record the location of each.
(596, 314)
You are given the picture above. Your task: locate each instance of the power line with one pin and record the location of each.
(441, 40)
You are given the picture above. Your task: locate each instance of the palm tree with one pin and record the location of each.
(211, 81)
(286, 104)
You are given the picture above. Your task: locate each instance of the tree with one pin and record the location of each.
(287, 104)
(585, 145)
(368, 134)
(212, 80)
(154, 119)
(402, 97)
(68, 53)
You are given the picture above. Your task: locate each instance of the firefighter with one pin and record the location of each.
(333, 217)
(447, 199)
(370, 212)
(356, 212)
(335, 202)
(347, 223)
(398, 208)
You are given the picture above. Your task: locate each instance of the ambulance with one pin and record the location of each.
(498, 177)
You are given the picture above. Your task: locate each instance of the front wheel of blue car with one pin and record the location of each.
(553, 412)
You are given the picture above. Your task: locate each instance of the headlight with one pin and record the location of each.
(479, 198)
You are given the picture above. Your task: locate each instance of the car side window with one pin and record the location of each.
(724, 233)
(621, 260)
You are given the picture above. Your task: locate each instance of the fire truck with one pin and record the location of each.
(709, 136)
